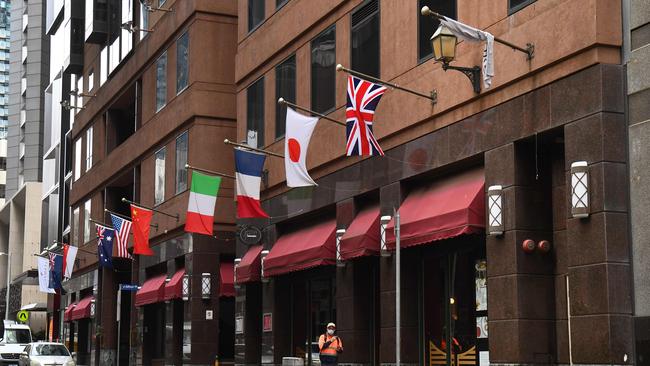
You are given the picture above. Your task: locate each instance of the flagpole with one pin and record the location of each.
(177, 217)
(529, 50)
(212, 172)
(285, 102)
(99, 223)
(124, 217)
(433, 97)
(228, 142)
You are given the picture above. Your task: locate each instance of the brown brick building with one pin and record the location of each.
(540, 116)
(157, 90)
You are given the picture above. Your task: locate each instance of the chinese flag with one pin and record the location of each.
(141, 220)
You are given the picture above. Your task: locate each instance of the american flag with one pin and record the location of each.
(122, 230)
(363, 97)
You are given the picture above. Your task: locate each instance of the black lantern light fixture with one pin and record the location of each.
(444, 50)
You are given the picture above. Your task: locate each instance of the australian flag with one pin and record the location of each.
(56, 271)
(363, 97)
(105, 239)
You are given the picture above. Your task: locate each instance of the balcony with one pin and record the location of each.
(96, 20)
(23, 86)
(24, 54)
(25, 22)
(23, 117)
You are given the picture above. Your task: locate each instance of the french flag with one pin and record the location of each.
(248, 171)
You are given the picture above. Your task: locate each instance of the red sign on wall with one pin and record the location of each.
(267, 322)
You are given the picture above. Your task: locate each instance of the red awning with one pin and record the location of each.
(362, 237)
(227, 274)
(152, 291)
(82, 309)
(67, 314)
(248, 270)
(442, 210)
(310, 247)
(174, 288)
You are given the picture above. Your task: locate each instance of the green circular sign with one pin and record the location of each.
(22, 316)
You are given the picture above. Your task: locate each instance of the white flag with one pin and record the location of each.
(296, 141)
(44, 275)
(472, 34)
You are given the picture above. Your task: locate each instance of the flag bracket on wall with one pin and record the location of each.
(155, 226)
(433, 95)
(207, 171)
(176, 216)
(285, 102)
(244, 146)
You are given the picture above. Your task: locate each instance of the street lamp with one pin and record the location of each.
(8, 283)
(444, 43)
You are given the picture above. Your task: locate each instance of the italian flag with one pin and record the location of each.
(200, 209)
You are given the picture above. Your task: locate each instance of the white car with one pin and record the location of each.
(15, 337)
(46, 353)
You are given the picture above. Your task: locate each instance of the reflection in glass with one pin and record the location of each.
(182, 62)
(181, 160)
(323, 72)
(159, 187)
(161, 81)
(285, 87)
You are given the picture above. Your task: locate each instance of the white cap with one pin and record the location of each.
(331, 325)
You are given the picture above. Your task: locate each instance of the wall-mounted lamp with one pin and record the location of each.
(263, 255)
(237, 261)
(131, 28)
(580, 189)
(206, 287)
(67, 106)
(150, 8)
(76, 93)
(185, 290)
(93, 309)
(383, 223)
(339, 259)
(495, 210)
(444, 50)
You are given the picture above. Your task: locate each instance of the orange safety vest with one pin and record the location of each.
(332, 349)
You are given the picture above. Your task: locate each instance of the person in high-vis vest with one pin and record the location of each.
(330, 346)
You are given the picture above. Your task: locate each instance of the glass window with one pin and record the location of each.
(255, 13)
(182, 62)
(285, 87)
(91, 80)
(159, 187)
(323, 72)
(87, 221)
(50, 350)
(77, 159)
(103, 66)
(161, 2)
(144, 19)
(75, 226)
(18, 336)
(89, 148)
(255, 111)
(181, 160)
(365, 39)
(428, 25)
(161, 81)
(279, 3)
(515, 5)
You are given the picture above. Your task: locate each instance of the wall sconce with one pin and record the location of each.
(185, 290)
(383, 223)
(148, 7)
(131, 28)
(76, 93)
(234, 272)
(339, 260)
(93, 309)
(263, 255)
(444, 50)
(67, 106)
(495, 210)
(205, 286)
(580, 189)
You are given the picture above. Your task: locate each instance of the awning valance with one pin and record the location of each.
(67, 313)
(227, 274)
(82, 310)
(362, 236)
(174, 288)
(441, 210)
(306, 248)
(152, 291)
(248, 270)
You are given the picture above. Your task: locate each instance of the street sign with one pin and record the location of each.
(22, 316)
(129, 287)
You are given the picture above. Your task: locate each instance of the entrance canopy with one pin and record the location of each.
(227, 275)
(442, 210)
(248, 270)
(152, 291)
(362, 237)
(67, 314)
(306, 248)
(82, 310)
(174, 288)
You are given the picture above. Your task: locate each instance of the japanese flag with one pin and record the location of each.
(296, 142)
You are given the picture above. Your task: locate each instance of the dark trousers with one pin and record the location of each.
(327, 360)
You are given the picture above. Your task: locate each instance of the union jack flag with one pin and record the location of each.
(122, 229)
(363, 97)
